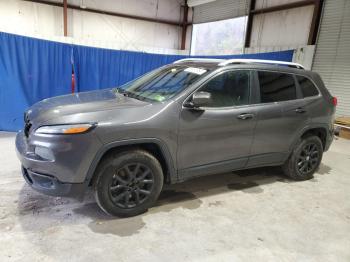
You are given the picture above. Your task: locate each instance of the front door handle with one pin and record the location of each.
(245, 116)
(300, 110)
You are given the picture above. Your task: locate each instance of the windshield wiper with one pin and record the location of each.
(129, 94)
(120, 90)
(136, 96)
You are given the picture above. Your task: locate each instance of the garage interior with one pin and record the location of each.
(54, 47)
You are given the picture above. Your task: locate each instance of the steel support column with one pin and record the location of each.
(184, 26)
(65, 26)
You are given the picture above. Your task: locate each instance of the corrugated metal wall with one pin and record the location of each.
(332, 57)
(220, 10)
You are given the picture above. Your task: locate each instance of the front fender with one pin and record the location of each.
(106, 147)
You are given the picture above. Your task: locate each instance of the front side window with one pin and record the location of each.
(162, 84)
(276, 87)
(307, 87)
(229, 89)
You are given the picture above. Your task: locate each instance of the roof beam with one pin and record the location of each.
(283, 7)
(97, 11)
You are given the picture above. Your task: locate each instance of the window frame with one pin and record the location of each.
(314, 84)
(298, 92)
(252, 91)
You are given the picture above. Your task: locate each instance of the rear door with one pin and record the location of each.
(281, 113)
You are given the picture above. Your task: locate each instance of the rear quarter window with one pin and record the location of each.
(307, 87)
(276, 87)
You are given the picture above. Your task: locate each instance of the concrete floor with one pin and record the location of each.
(246, 216)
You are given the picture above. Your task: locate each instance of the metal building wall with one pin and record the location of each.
(332, 57)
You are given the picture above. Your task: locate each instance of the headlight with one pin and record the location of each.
(65, 129)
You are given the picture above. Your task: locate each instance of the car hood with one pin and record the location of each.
(85, 102)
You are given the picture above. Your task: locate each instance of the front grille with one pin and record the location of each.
(27, 125)
(27, 176)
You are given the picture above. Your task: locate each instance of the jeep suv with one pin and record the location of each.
(191, 118)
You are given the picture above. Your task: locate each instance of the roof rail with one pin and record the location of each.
(258, 61)
(199, 60)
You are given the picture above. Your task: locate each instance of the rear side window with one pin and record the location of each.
(307, 87)
(275, 87)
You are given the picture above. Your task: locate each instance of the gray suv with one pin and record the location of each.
(191, 118)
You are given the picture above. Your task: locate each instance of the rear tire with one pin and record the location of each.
(128, 183)
(305, 159)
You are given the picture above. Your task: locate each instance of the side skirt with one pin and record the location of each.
(271, 159)
(213, 168)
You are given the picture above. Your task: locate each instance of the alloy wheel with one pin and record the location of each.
(131, 185)
(308, 158)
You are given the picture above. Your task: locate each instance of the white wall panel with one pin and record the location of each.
(302, 54)
(282, 28)
(166, 9)
(126, 33)
(46, 21)
(30, 19)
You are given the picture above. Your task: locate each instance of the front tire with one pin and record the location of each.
(305, 159)
(128, 183)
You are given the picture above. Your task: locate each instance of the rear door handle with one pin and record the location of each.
(300, 110)
(245, 116)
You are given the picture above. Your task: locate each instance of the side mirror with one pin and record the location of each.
(199, 99)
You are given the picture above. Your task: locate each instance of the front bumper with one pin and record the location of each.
(49, 185)
(56, 164)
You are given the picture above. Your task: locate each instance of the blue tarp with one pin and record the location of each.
(98, 68)
(30, 70)
(33, 69)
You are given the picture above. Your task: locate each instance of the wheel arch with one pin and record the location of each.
(154, 146)
(321, 132)
(317, 130)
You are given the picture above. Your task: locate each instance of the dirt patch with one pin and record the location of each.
(122, 227)
(324, 169)
(92, 210)
(31, 202)
(286, 180)
(172, 199)
(215, 204)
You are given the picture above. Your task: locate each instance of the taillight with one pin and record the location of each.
(334, 101)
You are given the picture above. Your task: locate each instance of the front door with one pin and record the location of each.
(218, 137)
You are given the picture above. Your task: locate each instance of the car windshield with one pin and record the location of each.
(162, 84)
